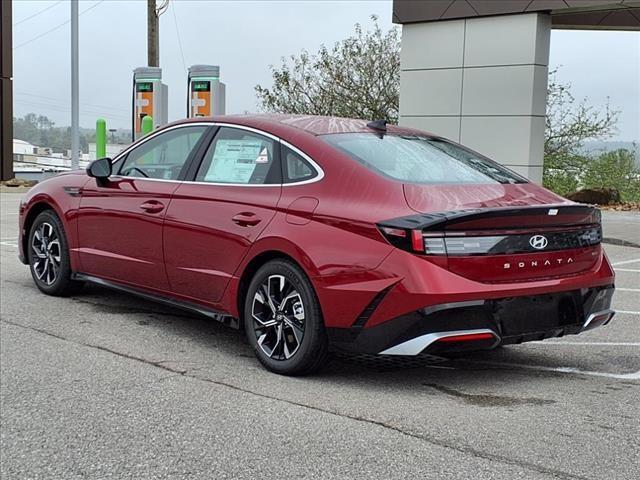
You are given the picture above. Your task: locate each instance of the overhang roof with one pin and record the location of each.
(578, 14)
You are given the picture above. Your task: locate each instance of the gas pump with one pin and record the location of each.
(205, 91)
(150, 98)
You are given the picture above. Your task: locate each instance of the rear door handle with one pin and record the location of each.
(152, 206)
(246, 219)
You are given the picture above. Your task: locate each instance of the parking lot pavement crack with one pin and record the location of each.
(485, 400)
(465, 450)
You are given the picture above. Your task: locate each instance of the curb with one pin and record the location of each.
(620, 243)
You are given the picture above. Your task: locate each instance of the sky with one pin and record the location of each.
(245, 38)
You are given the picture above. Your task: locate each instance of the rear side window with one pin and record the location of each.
(295, 167)
(417, 159)
(238, 156)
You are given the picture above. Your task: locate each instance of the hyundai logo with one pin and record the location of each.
(538, 242)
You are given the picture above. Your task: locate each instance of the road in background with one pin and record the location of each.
(107, 385)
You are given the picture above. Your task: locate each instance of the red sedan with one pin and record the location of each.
(316, 233)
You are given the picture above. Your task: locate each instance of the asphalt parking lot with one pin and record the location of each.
(104, 385)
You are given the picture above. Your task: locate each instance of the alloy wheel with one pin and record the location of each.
(46, 253)
(278, 317)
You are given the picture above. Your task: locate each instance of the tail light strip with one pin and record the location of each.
(495, 243)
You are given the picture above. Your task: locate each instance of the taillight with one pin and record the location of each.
(436, 243)
(488, 242)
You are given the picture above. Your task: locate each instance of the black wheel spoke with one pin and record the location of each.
(278, 317)
(46, 253)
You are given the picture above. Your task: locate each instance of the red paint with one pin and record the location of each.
(194, 241)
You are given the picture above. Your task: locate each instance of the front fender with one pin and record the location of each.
(62, 194)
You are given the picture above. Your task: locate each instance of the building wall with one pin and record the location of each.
(481, 82)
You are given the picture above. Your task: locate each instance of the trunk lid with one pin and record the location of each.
(500, 233)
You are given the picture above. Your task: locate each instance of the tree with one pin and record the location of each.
(569, 124)
(616, 169)
(359, 77)
(40, 131)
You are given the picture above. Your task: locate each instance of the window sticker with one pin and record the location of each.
(263, 157)
(235, 160)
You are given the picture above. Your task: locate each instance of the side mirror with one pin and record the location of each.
(100, 169)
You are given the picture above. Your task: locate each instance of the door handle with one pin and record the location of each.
(152, 206)
(246, 219)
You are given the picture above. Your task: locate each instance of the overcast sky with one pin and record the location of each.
(244, 38)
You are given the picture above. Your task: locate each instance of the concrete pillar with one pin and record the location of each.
(481, 82)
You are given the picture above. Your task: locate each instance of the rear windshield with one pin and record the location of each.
(417, 159)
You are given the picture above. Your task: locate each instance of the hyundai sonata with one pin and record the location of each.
(315, 234)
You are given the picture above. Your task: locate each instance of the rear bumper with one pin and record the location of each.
(481, 324)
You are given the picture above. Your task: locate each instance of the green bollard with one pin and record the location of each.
(101, 138)
(147, 125)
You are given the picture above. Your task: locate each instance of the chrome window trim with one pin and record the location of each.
(316, 167)
(155, 134)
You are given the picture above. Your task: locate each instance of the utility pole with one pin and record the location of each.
(153, 48)
(6, 93)
(75, 97)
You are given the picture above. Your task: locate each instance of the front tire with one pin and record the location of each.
(48, 254)
(283, 321)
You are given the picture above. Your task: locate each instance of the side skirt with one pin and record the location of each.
(188, 306)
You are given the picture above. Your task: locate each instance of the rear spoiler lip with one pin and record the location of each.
(437, 221)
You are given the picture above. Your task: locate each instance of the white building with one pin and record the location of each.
(112, 150)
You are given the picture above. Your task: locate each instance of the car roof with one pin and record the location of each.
(313, 124)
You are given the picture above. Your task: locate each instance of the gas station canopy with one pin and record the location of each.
(569, 14)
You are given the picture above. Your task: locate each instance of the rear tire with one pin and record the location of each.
(48, 255)
(283, 321)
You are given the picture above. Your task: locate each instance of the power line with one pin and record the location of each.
(66, 101)
(56, 27)
(175, 20)
(37, 13)
(61, 108)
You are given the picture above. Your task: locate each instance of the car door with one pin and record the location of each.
(213, 220)
(120, 220)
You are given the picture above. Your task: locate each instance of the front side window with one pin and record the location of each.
(164, 155)
(238, 156)
(418, 159)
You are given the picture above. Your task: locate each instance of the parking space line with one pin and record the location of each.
(597, 344)
(628, 312)
(625, 262)
(626, 270)
(620, 289)
(568, 370)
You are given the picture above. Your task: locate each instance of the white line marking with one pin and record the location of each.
(624, 262)
(620, 289)
(597, 344)
(570, 370)
(626, 270)
(628, 312)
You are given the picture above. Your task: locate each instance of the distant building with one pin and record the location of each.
(21, 147)
(112, 149)
(31, 162)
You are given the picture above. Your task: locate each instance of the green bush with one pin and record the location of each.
(615, 169)
(562, 173)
